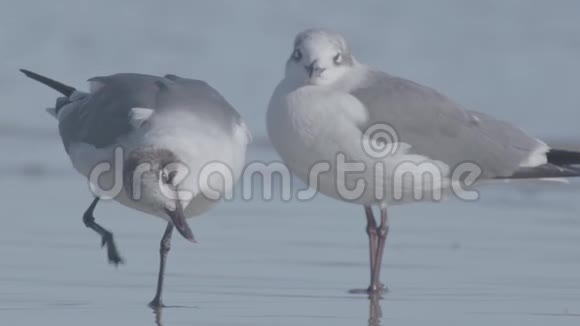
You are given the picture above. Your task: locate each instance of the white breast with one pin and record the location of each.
(316, 125)
(198, 145)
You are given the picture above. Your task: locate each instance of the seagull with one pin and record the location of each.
(156, 135)
(331, 108)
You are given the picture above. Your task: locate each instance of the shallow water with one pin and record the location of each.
(512, 257)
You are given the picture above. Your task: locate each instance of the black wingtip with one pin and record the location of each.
(545, 171)
(57, 86)
(563, 157)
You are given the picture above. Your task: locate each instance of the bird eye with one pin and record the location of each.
(337, 58)
(167, 178)
(171, 177)
(297, 55)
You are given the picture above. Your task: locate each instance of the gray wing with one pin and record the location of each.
(103, 116)
(440, 129)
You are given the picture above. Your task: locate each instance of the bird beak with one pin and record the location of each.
(178, 218)
(314, 69)
(311, 68)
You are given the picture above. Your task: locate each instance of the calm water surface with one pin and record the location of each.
(512, 258)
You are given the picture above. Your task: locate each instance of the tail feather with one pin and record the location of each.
(57, 86)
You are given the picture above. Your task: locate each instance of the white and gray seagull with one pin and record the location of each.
(326, 104)
(159, 133)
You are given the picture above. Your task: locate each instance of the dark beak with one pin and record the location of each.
(310, 68)
(178, 218)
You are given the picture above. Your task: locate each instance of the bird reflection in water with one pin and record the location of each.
(375, 312)
(157, 312)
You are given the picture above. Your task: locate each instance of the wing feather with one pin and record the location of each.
(438, 128)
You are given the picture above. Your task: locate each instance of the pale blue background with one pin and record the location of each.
(511, 258)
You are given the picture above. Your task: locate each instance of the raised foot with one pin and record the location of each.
(370, 290)
(112, 252)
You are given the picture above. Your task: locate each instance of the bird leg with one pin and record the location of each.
(372, 234)
(163, 250)
(107, 236)
(383, 231)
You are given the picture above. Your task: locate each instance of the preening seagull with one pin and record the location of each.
(154, 136)
(331, 108)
